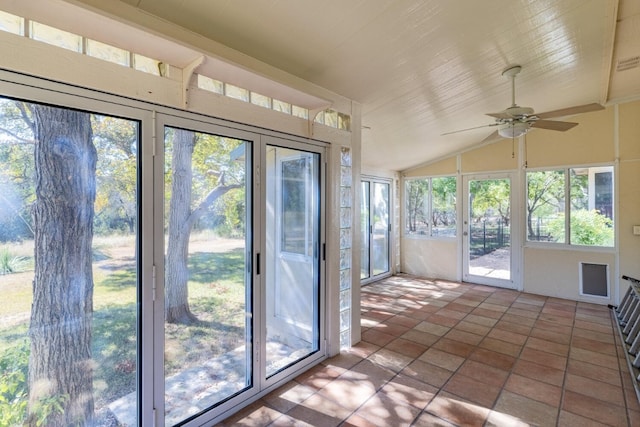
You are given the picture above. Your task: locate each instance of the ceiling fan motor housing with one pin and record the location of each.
(518, 112)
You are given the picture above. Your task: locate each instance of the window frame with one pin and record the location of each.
(152, 118)
(429, 214)
(566, 170)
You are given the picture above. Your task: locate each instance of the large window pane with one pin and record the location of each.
(430, 206)
(68, 266)
(591, 220)
(443, 206)
(207, 286)
(545, 206)
(588, 196)
(416, 207)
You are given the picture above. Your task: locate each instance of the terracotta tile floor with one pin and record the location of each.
(437, 353)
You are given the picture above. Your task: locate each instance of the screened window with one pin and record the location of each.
(430, 207)
(572, 206)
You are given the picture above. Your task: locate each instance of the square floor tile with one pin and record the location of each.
(533, 389)
(492, 358)
(473, 390)
(385, 412)
(525, 409)
(442, 359)
(489, 375)
(457, 411)
(427, 373)
(402, 388)
(538, 372)
(592, 408)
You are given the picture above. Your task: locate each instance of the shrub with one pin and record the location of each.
(9, 263)
(14, 363)
(588, 228)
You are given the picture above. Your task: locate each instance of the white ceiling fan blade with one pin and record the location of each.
(464, 130)
(553, 125)
(570, 111)
(500, 115)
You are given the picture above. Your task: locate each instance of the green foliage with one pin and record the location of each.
(490, 197)
(588, 227)
(232, 209)
(14, 363)
(48, 406)
(416, 192)
(10, 263)
(443, 201)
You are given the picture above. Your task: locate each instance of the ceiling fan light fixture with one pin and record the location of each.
(513, 130)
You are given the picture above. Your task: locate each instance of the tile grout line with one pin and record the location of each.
(566, 367)
(517, 358)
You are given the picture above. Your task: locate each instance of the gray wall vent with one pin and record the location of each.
(594, 279)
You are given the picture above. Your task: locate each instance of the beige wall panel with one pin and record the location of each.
(42, 60)
(628, 216)
(555, 272)
(443, 167)
(499, 156)
(430, 258)
(629, 120)
(592, 141)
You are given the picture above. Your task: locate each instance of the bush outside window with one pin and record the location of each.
(430, 207)
(571, 206)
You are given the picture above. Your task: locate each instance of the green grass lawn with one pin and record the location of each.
(216, 297)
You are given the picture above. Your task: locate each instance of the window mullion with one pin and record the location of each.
(567, 206)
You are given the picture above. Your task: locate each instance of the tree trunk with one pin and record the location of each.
(60, 364)
(181, 221)
(177, 273)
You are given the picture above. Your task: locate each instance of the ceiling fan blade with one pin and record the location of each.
(493, 137)
(500, 115)
(570, 111)
(464, 130)
(553, 125)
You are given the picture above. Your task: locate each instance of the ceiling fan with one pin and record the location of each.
(515, 120)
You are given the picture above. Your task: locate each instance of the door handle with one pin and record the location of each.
(464, 233)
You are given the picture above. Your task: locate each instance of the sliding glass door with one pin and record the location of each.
(157, 267)
(242, 283)
(375, 229)
(70, 263)
(207, 286)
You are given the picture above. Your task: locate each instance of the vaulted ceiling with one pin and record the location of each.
(421, 68)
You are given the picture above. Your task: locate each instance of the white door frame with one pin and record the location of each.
(514, 281)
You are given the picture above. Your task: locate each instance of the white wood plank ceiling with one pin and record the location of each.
(421, 68)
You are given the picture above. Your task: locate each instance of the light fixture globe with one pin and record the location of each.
(513, 129)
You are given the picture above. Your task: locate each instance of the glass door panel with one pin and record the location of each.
(375, 229)
(380, 232)
(487, 234)
(69, 266)
(365, 227)
(208, 334)
(292, 211)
